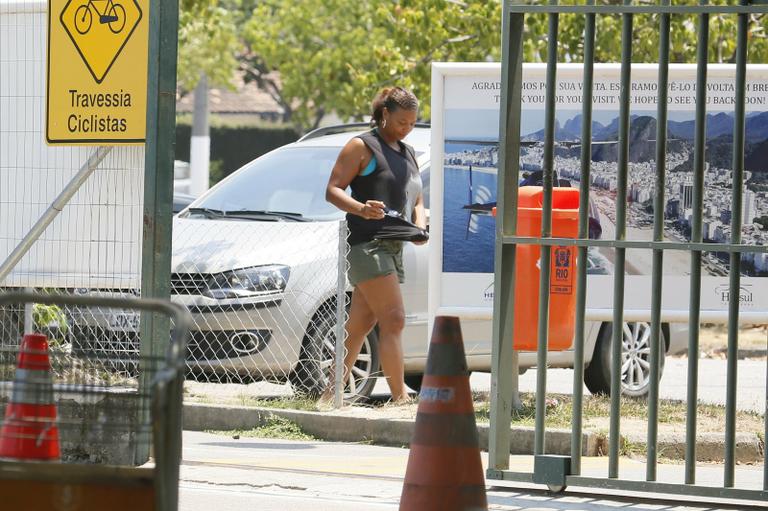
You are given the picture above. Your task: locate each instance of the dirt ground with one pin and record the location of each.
(713, 340)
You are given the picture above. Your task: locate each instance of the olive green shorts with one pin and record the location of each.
(373, 259)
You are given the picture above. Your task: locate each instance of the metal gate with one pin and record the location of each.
(558, 471)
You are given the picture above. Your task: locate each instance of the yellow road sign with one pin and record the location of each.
(97, 71)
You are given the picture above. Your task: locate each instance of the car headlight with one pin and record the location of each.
(248, 282)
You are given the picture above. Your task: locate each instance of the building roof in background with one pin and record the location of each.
(246, 98)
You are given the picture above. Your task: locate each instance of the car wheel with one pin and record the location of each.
(364, 372)
(635, 360)
(314, 370)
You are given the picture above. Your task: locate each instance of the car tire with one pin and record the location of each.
(636, 356)
(314, 370)
(365, 372)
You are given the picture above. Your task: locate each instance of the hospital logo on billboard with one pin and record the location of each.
(488, 293)
(746, 299)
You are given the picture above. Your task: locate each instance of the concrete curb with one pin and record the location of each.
(344, 428)
(333, 426)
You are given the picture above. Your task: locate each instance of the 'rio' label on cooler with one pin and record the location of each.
(563, 271)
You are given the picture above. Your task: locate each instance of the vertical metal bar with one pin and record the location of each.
(735, 268)
(658, 255)
(546, 232)
(341, 308)
(699, 149)
(581, 269)
(502, 400)
(29, 316)
(621, 230)
(158, 191)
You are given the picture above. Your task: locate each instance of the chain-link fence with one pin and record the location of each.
(263, 298)
(86, 203)
(97, 397)
(254, 319)
(263, 290)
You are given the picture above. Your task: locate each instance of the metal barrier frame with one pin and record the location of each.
(166, 391)
(558, 472)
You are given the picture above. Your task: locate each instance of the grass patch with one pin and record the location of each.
(273, 427)
(597, 410)
(279, 404)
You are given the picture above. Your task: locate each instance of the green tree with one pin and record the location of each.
(319, 56)
(208, 43)
(335, 54)
(684, 32)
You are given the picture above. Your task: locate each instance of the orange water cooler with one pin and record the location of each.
(562, 287)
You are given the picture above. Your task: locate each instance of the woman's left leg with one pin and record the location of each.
(386, 301)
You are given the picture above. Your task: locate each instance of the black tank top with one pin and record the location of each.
(389, 183)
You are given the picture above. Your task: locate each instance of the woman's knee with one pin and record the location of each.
(393, 321)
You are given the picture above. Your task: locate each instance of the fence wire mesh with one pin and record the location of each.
(271, 323)
(263, 294)
(263, 297)
(94, 242)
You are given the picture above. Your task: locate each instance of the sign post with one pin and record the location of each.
(97, 72)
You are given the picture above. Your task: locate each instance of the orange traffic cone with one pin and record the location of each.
(444, 469)
(29, 431)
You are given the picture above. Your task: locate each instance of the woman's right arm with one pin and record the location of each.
(348, 166)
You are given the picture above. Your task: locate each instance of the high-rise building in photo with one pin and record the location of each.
(686, 194)
(748, 207)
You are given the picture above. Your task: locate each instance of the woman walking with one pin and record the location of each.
(382, 172)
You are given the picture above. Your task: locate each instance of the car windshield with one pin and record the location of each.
(287, 181)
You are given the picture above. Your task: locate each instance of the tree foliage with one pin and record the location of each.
(335, 54)
(684, 32)
(208, 43)
(320, 56)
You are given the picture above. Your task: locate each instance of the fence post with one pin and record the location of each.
(341, 302)
(158, 178)
(504, 397)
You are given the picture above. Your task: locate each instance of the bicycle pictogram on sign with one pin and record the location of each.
(112, 15)
(100, 29)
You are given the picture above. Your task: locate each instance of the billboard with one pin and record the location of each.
(465, 147)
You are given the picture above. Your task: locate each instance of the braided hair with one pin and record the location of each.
(392, 98)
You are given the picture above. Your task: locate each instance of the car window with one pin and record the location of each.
(292, 179)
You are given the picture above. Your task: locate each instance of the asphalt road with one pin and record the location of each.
(222, 473)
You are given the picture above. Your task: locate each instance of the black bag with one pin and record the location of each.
(395, 227)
